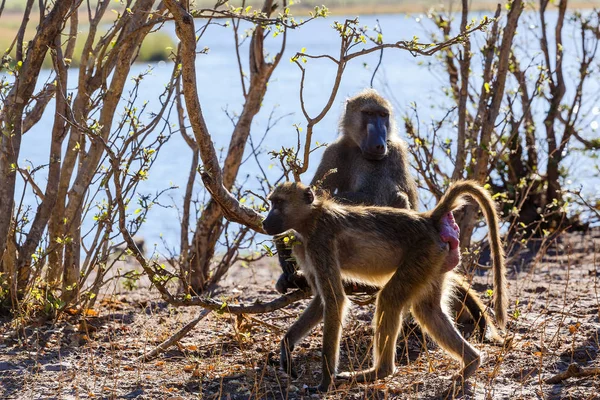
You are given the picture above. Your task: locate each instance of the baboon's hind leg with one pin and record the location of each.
(466, 298)
(428, 311)
(392, 302)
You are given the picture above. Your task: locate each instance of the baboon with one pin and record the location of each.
(370, 164)
(371, 168)
(399, 250)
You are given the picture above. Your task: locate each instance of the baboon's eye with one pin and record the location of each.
(384, 114)
(369, 113)
(276, 203)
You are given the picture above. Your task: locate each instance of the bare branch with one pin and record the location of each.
(22, 29)
(573, 371)
(464, 63)
(212, 176)
(499, 84)
(424, 49)
(177, 336)
(41, 101)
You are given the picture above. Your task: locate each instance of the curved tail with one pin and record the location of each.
(455, 198)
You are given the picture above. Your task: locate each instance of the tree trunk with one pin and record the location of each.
(12, 112)
(219, 182)
(208, 231)
(130, 37)
(81, 107)
(44, 211)
(72, 265)
(482, 155)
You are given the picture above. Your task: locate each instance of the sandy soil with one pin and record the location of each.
(555, 308)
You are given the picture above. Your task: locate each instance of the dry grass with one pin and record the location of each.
(554, 302)
(157, 45)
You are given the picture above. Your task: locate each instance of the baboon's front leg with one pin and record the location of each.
(307, 321)
(334, 303)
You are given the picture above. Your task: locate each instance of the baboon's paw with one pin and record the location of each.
(344, 375)
(285, 282)
(504, 341)
(287, 367)
(293, 374)
(290, 371)
(492, 336)
(470, 367)
(285, 361)
(367, 375)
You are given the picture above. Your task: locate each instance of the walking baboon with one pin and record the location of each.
(398, 250)
(370, 162)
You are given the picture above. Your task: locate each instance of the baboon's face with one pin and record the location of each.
(290, 206)
(375, 122)
(368, 123)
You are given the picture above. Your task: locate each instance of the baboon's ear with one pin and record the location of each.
(309, 196)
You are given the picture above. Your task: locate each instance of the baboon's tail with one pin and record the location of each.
(453, 199)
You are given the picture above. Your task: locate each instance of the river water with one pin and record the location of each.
(402, 77)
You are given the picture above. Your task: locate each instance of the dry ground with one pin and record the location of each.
(555, 307)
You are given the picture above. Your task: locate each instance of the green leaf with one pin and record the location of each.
(486, 86)
(268, 250)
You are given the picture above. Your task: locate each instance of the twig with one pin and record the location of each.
(380, 57)
(573, 371)
(161, 348)
(268, 325)
(588, 205)
(211, 305)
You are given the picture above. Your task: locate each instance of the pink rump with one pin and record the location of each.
(449, 233)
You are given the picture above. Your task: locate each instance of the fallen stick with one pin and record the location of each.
(257, 308)
(161, 348)
(212, 305)
(573, 371)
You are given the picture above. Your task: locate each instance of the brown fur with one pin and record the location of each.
(399, 250)
(385, 182)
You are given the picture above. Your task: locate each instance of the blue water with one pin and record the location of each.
(401, 78)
